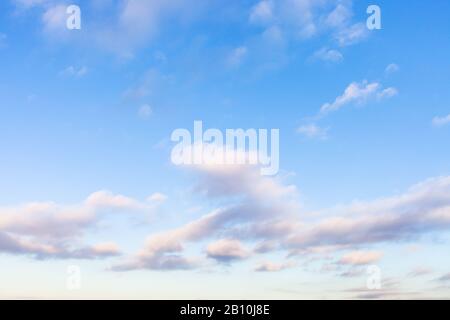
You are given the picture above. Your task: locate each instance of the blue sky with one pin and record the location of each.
(86, 177)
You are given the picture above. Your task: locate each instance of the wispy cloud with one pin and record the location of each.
(145, 111)
(274, 267)
(352, 34)
(391, 68)
(313, 131)
(236, 56)
(328, 55)
(361, 257)
(358, 93)
(72, 71)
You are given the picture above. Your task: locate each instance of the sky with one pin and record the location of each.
(93, 207)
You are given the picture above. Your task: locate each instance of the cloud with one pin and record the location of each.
(361, 257)
(392, 68)
(387, 93)
(26, 4)
(227, 250)
(251, 198)
(152, 81)
(49, 230)
(441, 121)
(419, 272)
(328, 55)
(260, 209)
(157, 197)
(106, 199)
(339, 17)
(424, 208)
(17, 245)
(237, 56)
(352, 35)
(444, 278)
(304, 19)
(274, 267)
(262, 12)
(131, 24)
(101, 250)
(358, 93)
(145, 111)
(353, 272)
(72, 71)
(313, 131)
(54, 20)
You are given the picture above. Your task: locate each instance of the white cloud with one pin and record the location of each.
(237, 56)
(157, 197)
(358, 93)
(441, 121)
(262, 12)
(339, 17)
(361, 257)
(72, 71)
(423, 208)
(227, 250)
(252, 198)
(106, 199)
(273, 267)
(54, 19)
(313, 131)
(387, 93)
(329, 55)
(26, 4)
(145, 111)
(303, 19)
(419, 272)
(49, 230)
(352, 34)
(392, 68)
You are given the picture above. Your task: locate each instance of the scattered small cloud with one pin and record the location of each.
(328, 55)
(419, 272)
(145, 111)
(72, 71)
(237, 56)
(441, 121)
(274, 267)
(313, 131)
(352, 35)
(55, 19)
(361, 257)
(262, 12)
(353, 272)
(387, 93)
(391, 68)
(339, 17)
(358, 93)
